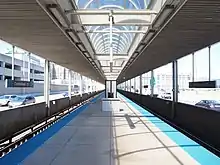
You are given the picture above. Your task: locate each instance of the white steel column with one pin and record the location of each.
(29, 66)
(70, 84)
(135, 85)
(209, 63)
(193, 67)
(111, 46)
(141, 85)
(13, 62)
(81, 85)
(175, 87)
(47, 85)
(151, 84)
(130, 85)
(175, 81)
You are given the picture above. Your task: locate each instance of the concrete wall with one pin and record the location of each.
(38, 88)
(17, 119)
(201, 123)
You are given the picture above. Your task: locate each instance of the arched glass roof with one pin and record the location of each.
(121, 41)
(123, 4)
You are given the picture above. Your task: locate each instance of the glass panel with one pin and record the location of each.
(184, 77)
(201, 58)
(207, 98)
(163, 81)
(112, 4)
(127, 4)
(215, 61)
(146, 83)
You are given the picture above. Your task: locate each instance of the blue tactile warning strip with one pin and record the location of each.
(19, 154)
(198, 152)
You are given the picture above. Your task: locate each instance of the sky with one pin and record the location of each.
(6, 47)
(184, 64)
(201, 65)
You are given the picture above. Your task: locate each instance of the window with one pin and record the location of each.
(201, 63)
(202, 97)
(146, 83)
(163, 81)
(215, 60)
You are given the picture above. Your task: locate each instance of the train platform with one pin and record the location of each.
(129, 135)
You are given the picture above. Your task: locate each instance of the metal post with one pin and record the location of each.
(209, 63)
(81, 85)
(135, 85)
(70, 84)
(13, 62)
(29, 66)
(151, 85)
(130, 85)
(111, 46)
(141, 85)
(193, 67)
(47, 85)
(175, 87)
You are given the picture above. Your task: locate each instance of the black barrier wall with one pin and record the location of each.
(201, 123)
(17, 119)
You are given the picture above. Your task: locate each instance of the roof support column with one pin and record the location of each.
(175, 86)
(47, 86)
(70, 84)
(152, 85)
(140, 84)
(130, 85)
(209, 63)
(13, 62)
(29, 66)
(193, 67)
(111, 45)
(135, 85)
(81, 85)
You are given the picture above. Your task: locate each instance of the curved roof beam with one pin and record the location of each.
(106, 35)
(118, 29)
(107, 45)
(111, 6)
(107, 48)
(136, 5)
(115, 46)
(96, 35)
(114, 50)
(114, 38)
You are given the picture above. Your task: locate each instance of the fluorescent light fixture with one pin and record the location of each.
(163, 15)
(54, 9)
(73, 36)
(148, 37)
(86, 54)
(81, 47)
(140, 47)
(135, 54)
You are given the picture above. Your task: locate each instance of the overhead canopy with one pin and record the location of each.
(111, 39)
(29, 25)
(193, 25)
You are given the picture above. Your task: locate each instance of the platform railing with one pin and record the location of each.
(198, 123)
(20, 124)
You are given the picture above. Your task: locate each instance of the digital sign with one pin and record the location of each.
(18, 84)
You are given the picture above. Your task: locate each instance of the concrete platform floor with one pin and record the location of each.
(121, 137)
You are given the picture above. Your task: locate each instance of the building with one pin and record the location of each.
(21, 68)
(163, 82)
